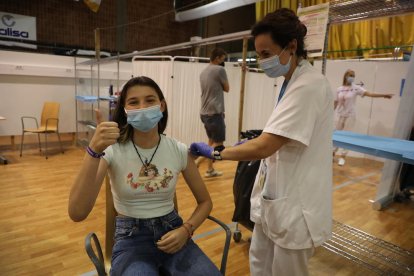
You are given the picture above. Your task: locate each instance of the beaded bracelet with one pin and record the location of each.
(94, 154)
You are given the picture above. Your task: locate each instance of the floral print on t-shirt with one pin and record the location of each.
(150, 179)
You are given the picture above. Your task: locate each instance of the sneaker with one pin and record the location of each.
(213, 173)
(341, 161)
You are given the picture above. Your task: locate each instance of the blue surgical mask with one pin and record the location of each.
(272, 66)
(144, 119)
(350, 80)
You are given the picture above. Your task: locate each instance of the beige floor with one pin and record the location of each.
(38, 238)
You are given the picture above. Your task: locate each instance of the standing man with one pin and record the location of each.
(213, 82)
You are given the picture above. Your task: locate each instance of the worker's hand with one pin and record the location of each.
(388, 96)
(106, 134)
(173, 241)
(201, 149)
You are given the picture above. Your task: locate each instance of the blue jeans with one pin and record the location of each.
(135, 251)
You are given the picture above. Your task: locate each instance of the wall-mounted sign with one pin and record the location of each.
(17, 26)
(315, 19)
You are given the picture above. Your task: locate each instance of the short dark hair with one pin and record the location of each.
(217, 52)
(283, 26)
(120, 117)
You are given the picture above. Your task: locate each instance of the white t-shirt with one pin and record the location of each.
(292, 194)
(141, 194)
(346, 97)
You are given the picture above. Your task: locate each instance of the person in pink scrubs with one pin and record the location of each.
(344, 105)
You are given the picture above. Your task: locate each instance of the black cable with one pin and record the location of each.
(146, 163)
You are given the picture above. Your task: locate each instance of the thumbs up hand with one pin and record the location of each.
(106, 134)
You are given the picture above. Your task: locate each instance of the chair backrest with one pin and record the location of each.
(50, 110)
(110, 221)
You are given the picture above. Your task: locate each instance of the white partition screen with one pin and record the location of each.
(259, 100)
(185, 104)
(232, 103)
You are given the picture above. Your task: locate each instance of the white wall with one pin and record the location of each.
(25, 84)
(25, 95)
(28, 80)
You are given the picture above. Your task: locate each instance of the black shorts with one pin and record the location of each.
(215, 127)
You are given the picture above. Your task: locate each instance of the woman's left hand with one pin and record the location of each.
(173, 241)
(388, 96)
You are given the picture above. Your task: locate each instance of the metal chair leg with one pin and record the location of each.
(38, 139)
(46, 144)
(21, 144)
(60, 143)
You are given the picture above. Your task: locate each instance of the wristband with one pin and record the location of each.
(216, 154)
(94, 154)
(188, 231)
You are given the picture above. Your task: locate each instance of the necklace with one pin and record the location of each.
(146, 163)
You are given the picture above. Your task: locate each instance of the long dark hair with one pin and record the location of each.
(283, 26)
(120, 117)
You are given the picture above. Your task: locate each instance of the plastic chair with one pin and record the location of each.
(49, 123)
(97, 257)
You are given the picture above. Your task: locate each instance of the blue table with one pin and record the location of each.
(390, 148)
(87, 99)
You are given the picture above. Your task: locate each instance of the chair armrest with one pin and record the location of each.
(226, 244)
(29, 117)
(53, 119)
(98, 261)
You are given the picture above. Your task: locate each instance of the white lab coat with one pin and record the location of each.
(292, 194)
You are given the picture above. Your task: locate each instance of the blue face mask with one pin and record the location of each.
(144, 119)
(350, 80)
(272, 66)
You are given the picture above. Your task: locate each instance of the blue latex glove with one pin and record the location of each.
(201, 149)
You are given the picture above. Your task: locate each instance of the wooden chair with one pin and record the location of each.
(49, 123)
(101, 262)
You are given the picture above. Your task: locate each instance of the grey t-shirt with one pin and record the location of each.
(212, 80)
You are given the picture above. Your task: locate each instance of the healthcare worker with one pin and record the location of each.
(292, 194)
(344, 106)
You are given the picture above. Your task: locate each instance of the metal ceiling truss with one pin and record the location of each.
(342, 11)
